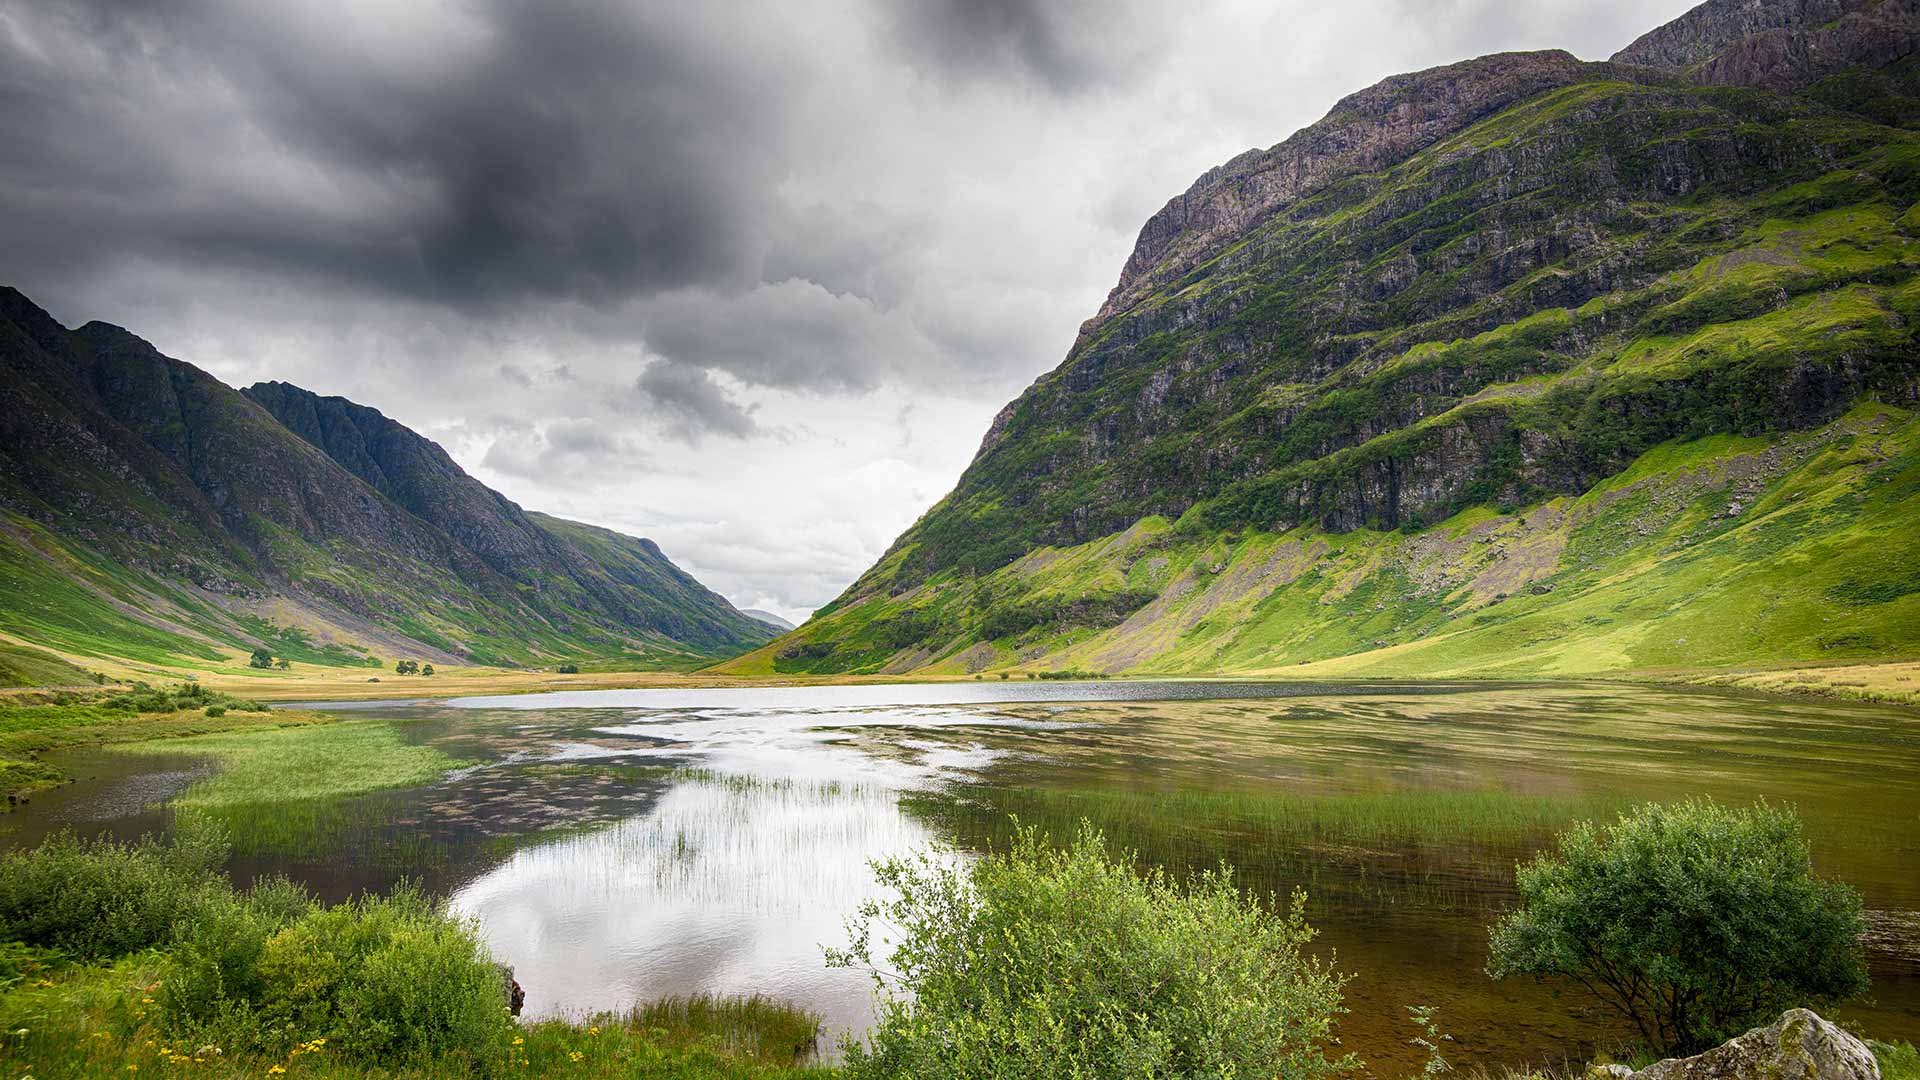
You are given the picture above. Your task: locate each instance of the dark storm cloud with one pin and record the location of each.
(1067, 45)
(507, 151)
(692, 403)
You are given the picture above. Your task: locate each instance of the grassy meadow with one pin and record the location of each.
(34, 723)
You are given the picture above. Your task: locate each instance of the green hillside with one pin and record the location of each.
(1520, 366)
(150, 513)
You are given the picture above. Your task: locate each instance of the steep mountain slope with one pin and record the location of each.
(624, 580)
(149, 511)
(1354, 391)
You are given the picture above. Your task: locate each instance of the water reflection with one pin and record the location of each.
(729, 885)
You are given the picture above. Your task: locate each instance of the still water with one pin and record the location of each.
(617, 846)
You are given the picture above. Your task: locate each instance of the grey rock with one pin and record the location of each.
(1798, 1046)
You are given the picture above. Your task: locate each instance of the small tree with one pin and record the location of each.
(1048, 962)
(261, 658)
(406, 667)
(1694, 920)
(568, 669)
(283, 663)
(426, 669)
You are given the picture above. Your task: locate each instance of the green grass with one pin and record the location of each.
(1372, 819)
(1697, 556)
(91, 1022)
(1898, 1061)
(35, 723)
(142, 960)
(293, 790)
(23, 666)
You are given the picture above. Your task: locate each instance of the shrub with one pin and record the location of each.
(380, 978)
(100, 899)
(568, 669)
(216, 711)
(1066, 962)
(1694, 920)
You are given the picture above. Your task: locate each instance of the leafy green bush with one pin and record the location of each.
(1694, 920)
(216, 711)
(101, 898)
(1066, 962)
(385, 979)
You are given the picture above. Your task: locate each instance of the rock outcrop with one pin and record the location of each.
(1798, 1046)
(1781, 45)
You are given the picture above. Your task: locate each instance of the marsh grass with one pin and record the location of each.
(1386, 846)
(298, 791)
(753, 1025)
(33, 724)
(1372, 818)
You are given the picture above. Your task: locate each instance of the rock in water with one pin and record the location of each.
(1798, 1046)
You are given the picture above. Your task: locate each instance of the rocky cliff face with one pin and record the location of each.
(1782, 45)
(174, 513)
(1488, 285)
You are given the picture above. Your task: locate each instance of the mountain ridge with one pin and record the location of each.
(150, 509)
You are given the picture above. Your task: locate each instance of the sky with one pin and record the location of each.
(750, 279)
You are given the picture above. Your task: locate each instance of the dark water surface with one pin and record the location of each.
(620, 845)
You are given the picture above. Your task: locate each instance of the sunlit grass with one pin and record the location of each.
(35, 723)
(293, 791)
(93, 1022)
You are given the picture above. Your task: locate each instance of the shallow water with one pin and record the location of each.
(621, 845)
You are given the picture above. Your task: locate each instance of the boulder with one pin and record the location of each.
(1798, 1046)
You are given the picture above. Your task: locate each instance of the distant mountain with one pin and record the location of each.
(1519, 365)
(769, 618)
(149, 511)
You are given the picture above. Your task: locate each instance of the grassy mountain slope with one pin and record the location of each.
(150, 512)
(1468, 377)
(623, 580)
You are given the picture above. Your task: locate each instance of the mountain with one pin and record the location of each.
(149, 511)
(1520, 365)
(770, 619)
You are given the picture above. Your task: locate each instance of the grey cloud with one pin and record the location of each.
(563, 453)
(473, 155)
(792, 334)
(693, 404)
(1066, 45)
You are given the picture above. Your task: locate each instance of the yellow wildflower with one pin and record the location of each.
(276, 1070)
(574, 1055)
(517, 1040)
(595, 1030)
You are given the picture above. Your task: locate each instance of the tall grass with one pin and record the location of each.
(1396, 846)
(294, 791)
(1373, 818)
(31, 724)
